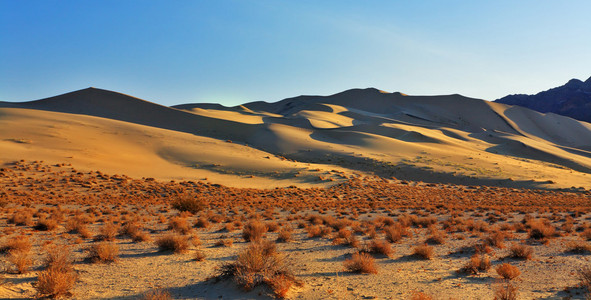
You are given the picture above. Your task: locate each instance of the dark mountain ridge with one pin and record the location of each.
(572, 100)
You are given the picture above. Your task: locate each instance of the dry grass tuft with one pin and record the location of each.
(361, 263)
(21, 260)
(254, 231)
(580, 247)
(53, 283)
(380, 247)
(420, 296)
(478, 263)
(103, 252)
(173, 242)
(107, 232)
(423, 251)
(508, 271)
(46, 224)
(260, 263)
(59, 258)
(521, 251)
(180, 225)
(188, 203)
(285, 235)
(505, 291)
(157, 294)
(16, 243)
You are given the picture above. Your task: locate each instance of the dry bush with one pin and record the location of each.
(521, 251)
(478, 263)
(437, 237)
(505, 291)
(103, 252)
(508, 271)
(539, 230)
(78, 225)
(361, 263)
(420, 296)
(586, 234)
(254, 231)
(496, 239)
(21, 218)
(585, 277)
(285, 235)
(202, 223)
(580, 247)
(260, 263)
(395, 232)
(59, 258)
(21, 260)
(173, 242)
(189, 204)
(314, 231)
(423, 251)
(17, 243)
(107, 232)
(346, 237)
(157, 294)
(198, 255)
(379, 247)
(180, 225)
(46, 224)
(272, 226)
(224, 242)
(53, 283)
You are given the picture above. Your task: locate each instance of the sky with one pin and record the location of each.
(232, 52)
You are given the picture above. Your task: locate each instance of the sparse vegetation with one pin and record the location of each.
(361, 263)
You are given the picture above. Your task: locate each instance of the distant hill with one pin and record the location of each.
(572, 100)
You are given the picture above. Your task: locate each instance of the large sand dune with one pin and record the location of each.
(451, 139)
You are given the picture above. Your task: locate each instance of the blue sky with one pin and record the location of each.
(232, 52)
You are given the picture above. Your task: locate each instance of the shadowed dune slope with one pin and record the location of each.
(361, 131)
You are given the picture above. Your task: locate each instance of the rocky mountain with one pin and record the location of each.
(572, 100)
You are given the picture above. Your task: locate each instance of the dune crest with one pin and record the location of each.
(306, 140)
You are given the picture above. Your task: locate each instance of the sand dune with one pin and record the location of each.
(361, 131)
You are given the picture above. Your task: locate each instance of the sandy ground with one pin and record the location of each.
(317, 262)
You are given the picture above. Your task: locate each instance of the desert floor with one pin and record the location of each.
(327, 227)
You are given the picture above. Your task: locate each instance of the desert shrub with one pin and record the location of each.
(521, 251)
(157, 294)
(285, 235)
(173, 242)
(585, 277)
(580, 247)
(254, 231)
(379, 247)
(505, 291)
(16, 243)
(508, 271)
(258, 264)
(77, 225)
(59, 258)
(103, 252)
(361, 263)
(539, 230)
(202, 223)
(586, 234)
(46, 224)
(496, 239)
(346, 237)
(188, 203)
(423, 251)
(180, 225)
(198, 255)
(21, 218)
(395, 232)
(21, 260)
(107, 232)
(420, 296)
(478, 263)
(224, 243)
(53, 283)
(437, 237)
